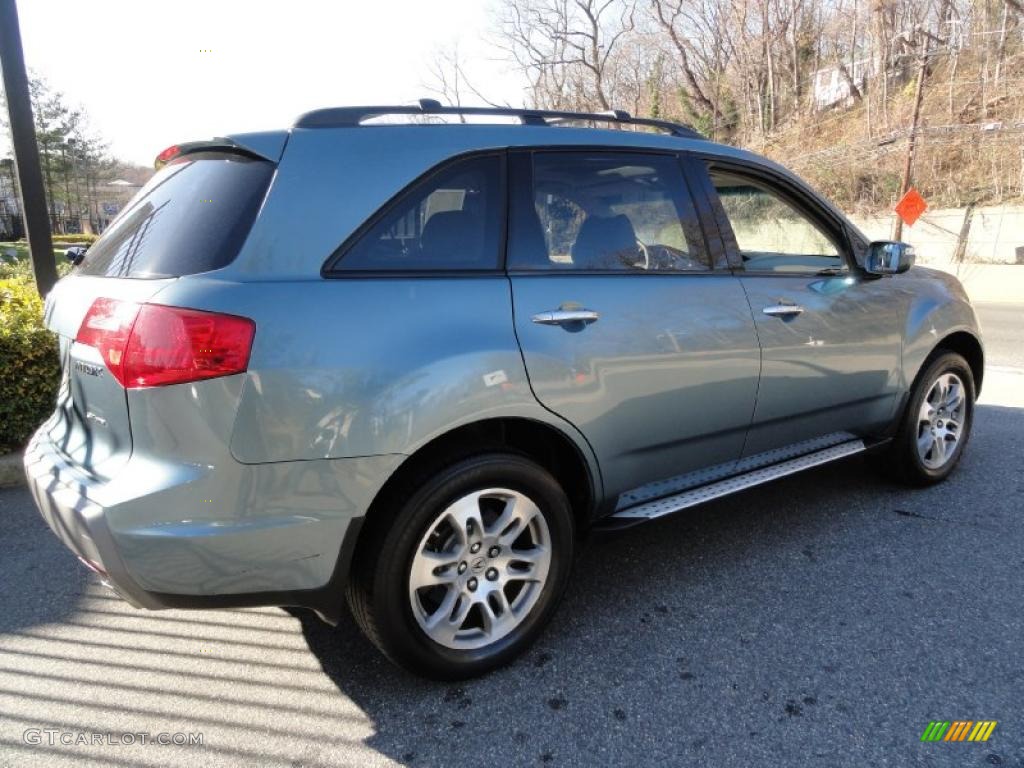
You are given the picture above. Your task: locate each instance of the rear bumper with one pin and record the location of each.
(61, 493)
(147, 543)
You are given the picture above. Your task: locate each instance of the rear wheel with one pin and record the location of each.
(936, 425)
(469, 570)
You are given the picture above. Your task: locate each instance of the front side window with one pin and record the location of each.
(605, 211)
(772, 234)
(449, 221)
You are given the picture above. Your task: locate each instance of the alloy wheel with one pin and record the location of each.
(940, 422)
(480, 568)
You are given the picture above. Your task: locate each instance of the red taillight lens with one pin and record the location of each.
(166, 345)
(169, 345)
(107, 326)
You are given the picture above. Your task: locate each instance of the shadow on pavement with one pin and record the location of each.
(34, 565)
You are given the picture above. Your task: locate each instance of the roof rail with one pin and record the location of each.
(339, 117)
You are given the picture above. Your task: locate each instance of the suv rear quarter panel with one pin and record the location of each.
(356, 367)
(188, 518)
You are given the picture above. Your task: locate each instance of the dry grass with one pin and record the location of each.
(970, 147)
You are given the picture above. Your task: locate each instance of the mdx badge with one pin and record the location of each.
(88, 368)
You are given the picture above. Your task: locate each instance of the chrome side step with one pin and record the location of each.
(701, 477)
(715, 490)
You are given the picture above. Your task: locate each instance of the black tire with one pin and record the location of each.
(902, 461)
(378, 590)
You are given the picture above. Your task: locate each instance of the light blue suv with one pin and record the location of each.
(417, 362)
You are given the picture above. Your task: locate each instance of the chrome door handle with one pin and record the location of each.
(783, 310)
(564, 316)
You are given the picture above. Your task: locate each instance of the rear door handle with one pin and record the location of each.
(783, 310)
(566, 316)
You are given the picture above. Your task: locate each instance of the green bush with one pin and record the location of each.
(19, 268)
(76, 239)
(29, 362)
(22, 267)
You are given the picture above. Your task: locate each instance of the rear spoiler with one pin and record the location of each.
(265, 145)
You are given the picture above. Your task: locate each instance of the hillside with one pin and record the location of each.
(826, 87)
(970, 146)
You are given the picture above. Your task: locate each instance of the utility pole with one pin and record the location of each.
(26, 152)
(960, 252)
(922, 72)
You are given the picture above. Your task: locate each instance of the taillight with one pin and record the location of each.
(151, 345)
(106, 326)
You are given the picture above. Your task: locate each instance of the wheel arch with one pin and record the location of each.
(969, 347)
(962, 342)
(939, 317)
(549, 446)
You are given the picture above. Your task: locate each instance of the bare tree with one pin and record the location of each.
(565, 48)
(447, 78)
(791, 77)
(687, 29)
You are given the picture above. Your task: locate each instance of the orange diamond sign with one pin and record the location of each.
(910, 207)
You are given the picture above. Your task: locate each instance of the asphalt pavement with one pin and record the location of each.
(1002, 326)
(824, 619)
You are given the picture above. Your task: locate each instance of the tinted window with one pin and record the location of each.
(451, 220)
(605, 211)
(772, 234)
(191, 217)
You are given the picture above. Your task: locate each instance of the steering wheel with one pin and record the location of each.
(668, 257)
(646, 253)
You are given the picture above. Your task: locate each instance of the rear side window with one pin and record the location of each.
(191, 217)
(449, 221)
(607, 212)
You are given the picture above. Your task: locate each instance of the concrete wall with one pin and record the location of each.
(996, 236)
(1002, 283)
(993, 268)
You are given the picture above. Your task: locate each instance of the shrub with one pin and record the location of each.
(17, 269)
(29, 362)
(75, 238)
(22, 268)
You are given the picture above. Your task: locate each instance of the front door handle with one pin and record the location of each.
(783, 310)
(566, 316)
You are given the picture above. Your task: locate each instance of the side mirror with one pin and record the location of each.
(76, 253)
(887, 257)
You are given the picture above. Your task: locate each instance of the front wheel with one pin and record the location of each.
(936, 425)
(469, 570)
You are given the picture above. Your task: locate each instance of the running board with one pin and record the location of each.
(669, 504)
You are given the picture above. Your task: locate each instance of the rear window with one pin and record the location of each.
(191, 217)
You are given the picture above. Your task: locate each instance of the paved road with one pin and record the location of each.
(1003, 326)
(821, 620)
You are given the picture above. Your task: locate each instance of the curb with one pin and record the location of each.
(12, 470)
